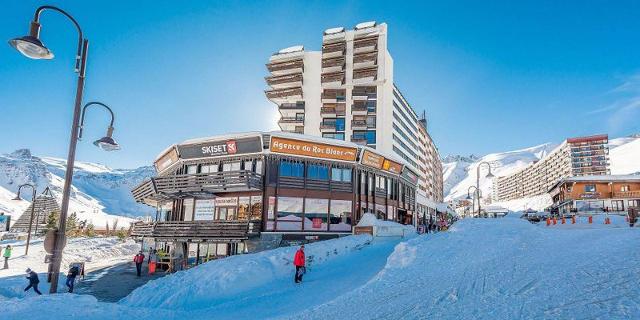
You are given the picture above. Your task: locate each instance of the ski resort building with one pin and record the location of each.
(575, 157)
(596, 194)
(245, 192)
(347, 92)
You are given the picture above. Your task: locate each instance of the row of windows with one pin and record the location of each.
(395, 116)
(314, 171)
(396, 139)
(336, 122)
(370, 136)
(249, 165)
(395, 106)
(404, 156)
(395, 127)
(399, 98)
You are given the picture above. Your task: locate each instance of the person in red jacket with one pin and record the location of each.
(139, 259)
(299, 261)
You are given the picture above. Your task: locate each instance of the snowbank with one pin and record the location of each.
(383, 228)
(227, 279)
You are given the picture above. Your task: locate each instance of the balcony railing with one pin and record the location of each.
(359, 140)
(202, 230)
(328, 126)
(333, 47)
(333, 77)
(365, 73)
(284, 93)
(358, 123)
(359, 108)
(626, 194)
(365, 57)
(291, 120)
(333, 62)
(295, 78)
(292, 106)
(287, 66)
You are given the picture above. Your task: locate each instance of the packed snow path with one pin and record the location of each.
(502, 269)
(115, 282)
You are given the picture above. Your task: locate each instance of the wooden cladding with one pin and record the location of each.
(281, 66)
(365, 57)
(365, 42)
(283, 93)
(204, 230)
(289, 78)
(365, 73)
(333, 47)
(333, 62)
(333, 77)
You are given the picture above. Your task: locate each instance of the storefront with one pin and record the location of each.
(227, 195)
(596, 194)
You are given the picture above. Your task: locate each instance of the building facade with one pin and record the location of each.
(346, 92)
(247, 192)
(596, 194)
(573, 158)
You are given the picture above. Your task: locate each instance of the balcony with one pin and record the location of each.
(283, 95)
(358, 124)
(285, 81)
(292, 106)
(333, 95)
(332, 65)
(365, 75)
(164, 188)
(359, 140)
(231, 231)
(365, 45)
(333, 78)
(327, 127)
(359, 109)
(333, 50)
(286, 67)
(291, 120)
(365, 60)
(626, 194)
(332, 110)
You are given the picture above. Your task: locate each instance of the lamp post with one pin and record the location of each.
(477, 194)
(33, 209)
(32, 47)
(489, 175)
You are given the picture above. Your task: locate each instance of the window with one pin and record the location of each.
(371, 106)
(248, 165)
(634, 203)
(243, 208)
(300, 116)
(209, 168)
(318, 172)
(371, 121)
(258, 166)
(340, 215)
(291, 169)
(316, 214)
(617, 205)
(624, 188)
(231, 166)
(333, 135)
(590, 188)
(370, 136)
(187, 209)
(380, 182)
(192, 169)
(289, 214)
(256, 208)
(271, 213)
(340, 124)
(341, 174)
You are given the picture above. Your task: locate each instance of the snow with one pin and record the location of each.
(364, 25)
(625, 158)
(291, 49)
(538, 203)
(382, 228)
(334, 30)
(94, 252)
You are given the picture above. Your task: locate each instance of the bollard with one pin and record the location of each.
(548, 221)
(573, 219)
(564, 220)
(607, 220)
(555, 221)
(590, 219)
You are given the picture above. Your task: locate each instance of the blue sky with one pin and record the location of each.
(492, 76)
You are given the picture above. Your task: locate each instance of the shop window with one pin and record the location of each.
(248, 165)
(209, 168)
(316, 212)
(341, 174)
(187, 209)
(617, 205)
(204, 209)
(391, 210)
(634, 203)
(258, 168)
(380, 182)
(340, 215)
(192, 169)
(271, 213)
(317, 172)
(226, 213)
(381, 211)
(289, 214)
(231, 166)
(256, 208)
(291, 169)
(589, 188)
(371, 184)
(243, 208)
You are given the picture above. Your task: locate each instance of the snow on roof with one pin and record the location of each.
(334, 30)
(364, 25)
(291, 49)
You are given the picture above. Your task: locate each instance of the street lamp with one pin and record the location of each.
(489, 175)
(477, 194)
(33, 209)
(105, 143)
(32, 47)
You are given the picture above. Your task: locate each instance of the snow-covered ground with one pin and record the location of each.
(94, 252)
(481, 269)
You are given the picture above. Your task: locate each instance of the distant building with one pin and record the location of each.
(347, 92)
(573, 158)
(595, 194)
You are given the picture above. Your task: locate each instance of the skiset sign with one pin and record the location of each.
(220, 148)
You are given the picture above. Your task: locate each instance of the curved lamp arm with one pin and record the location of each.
(84, 112)
(33, 189)
(35, 29)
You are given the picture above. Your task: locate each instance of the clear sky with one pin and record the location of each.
(492, 76)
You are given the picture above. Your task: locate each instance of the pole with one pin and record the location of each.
(68, 175)
(33, 209)
(478, 186)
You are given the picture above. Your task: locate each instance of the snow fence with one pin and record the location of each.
(225, 279)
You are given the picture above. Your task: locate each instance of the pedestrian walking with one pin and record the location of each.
(71, 277)
(299, 262)
(139, 259)
(33, 281)
(7, 255)
(633, 215)
(150, 253)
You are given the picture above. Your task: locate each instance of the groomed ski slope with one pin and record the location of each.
(503, 269)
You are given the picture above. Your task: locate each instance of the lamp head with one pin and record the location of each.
(31, 46)
(490, 175)
(468, 197)
(107, 143)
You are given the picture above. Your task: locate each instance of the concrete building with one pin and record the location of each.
(574, 157)
(346, 92)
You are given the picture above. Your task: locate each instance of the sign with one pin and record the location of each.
(226, 202)
(167, 159)
(204, 209)
(372, 160)
(392, 166)
(220, 148)
(312, 149)
(4, 222)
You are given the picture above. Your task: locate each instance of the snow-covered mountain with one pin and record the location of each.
(460, 172)
(99, 193)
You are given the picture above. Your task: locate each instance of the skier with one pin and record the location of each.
(33, 281)
(71, 277)
(7, 255)
(299, 261)
(139, 259)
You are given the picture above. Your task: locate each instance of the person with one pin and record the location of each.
(33, 281)
(71, 277)
(633, 214)
(150, 253)
(299, 262)
(7, 255)
(139, 259)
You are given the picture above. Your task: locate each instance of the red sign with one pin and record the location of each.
(316, 223)
(231, 147)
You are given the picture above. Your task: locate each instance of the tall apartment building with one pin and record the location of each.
(346, 92)
(579, 156)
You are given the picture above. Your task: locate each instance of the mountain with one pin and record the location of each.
(99, 194)
(459, 172)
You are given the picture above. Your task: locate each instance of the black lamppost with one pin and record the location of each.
(33, 209)
(489, 175)
(477, 194)
(33, 48)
